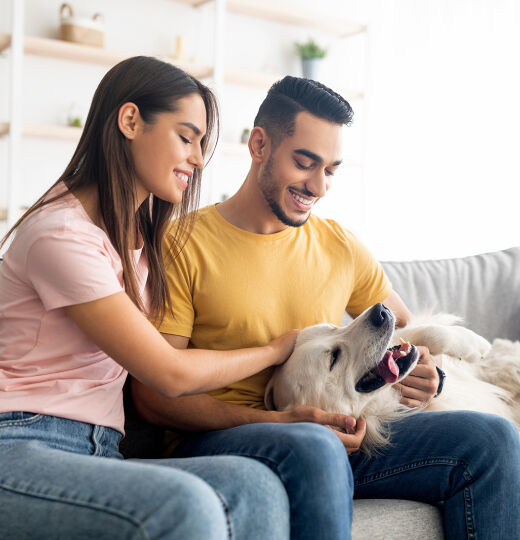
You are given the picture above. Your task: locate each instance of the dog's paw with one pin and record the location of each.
(455, 341)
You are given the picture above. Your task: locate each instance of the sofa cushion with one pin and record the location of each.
(483, 289)
(385, 519)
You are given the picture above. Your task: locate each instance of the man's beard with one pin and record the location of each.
(271, 192)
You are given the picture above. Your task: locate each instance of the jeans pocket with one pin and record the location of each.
(19, 419)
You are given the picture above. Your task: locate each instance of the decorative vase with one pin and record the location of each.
(311, 68)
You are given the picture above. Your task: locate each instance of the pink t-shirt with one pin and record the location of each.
(59, 257)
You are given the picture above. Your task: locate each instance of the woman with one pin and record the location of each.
(79, 285)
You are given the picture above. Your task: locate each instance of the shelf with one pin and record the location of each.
(56, 48)
(265, 80)
(194, 3)
(274, 12)
(69, 133)
(250, 78)
(44, 131)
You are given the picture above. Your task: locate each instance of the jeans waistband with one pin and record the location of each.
(61, 433)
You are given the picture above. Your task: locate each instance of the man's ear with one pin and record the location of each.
(259, 145)
(128, 119)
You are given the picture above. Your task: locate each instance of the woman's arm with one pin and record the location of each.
(118, 328)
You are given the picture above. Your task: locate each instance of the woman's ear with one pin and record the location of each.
(127, 119)
(259, 144)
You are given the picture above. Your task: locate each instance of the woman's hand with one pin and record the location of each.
(283, 346)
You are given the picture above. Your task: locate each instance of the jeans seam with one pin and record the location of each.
(409, 466)
(227, 513)
(468, 500)
(22, 422)
(90, 505)
(468, 506)
(97, 435)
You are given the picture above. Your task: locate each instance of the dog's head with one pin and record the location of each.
(342, 369)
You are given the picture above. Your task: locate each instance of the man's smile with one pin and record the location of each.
(301, 201)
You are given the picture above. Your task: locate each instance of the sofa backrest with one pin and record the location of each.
(483, 289)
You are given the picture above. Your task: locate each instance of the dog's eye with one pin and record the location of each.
(334, 355)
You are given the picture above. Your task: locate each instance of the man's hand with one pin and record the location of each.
(350, 431)
(353, 438)
(421, 385)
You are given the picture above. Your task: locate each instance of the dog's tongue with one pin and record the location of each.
(387, 369)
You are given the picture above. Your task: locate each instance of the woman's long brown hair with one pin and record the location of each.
(103, 159)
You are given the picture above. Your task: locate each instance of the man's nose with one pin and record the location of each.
(319, 184)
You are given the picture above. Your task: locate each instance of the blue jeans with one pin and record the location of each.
(309, 459)
(466, 463)
(65, 479)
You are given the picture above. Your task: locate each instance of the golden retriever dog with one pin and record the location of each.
(353, 369)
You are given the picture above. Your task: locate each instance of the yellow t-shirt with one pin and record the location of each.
(232, 288)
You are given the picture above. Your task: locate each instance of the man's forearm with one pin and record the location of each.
(195, 413)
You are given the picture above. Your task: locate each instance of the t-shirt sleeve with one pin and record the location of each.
(179, 320)
(370, 282)
(68, 267)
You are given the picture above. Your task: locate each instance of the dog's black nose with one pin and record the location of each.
(379, 315)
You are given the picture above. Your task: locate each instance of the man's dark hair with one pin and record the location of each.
(291, 95)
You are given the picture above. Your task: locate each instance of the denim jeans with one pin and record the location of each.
(466, 463)
(309, 459)
(65, 479)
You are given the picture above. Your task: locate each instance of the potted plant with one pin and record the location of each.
(311, 54)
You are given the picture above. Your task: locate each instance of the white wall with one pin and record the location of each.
(443, 127)
(438, 129)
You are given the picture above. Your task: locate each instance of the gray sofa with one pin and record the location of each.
(485, 291)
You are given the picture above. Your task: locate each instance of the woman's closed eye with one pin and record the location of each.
(185, 139)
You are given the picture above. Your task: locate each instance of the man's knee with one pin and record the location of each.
(315, 446)
(494, 431)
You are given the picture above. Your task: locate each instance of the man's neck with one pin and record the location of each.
(247, 209)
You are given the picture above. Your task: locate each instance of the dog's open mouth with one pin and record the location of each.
(396, 360)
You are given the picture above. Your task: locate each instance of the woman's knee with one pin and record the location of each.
(187, 509)
(257, 487)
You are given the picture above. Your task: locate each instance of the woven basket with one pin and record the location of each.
(80, 30)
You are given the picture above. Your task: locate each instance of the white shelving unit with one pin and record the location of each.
(19, 45)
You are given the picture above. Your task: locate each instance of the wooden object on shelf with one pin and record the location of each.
(81, 30)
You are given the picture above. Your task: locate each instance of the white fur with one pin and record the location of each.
(479, 377)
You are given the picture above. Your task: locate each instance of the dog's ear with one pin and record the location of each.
(269, 399)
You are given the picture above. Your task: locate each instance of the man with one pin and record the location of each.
(260, 264)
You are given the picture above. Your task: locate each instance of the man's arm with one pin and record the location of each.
(395, 303)
(201, 412)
